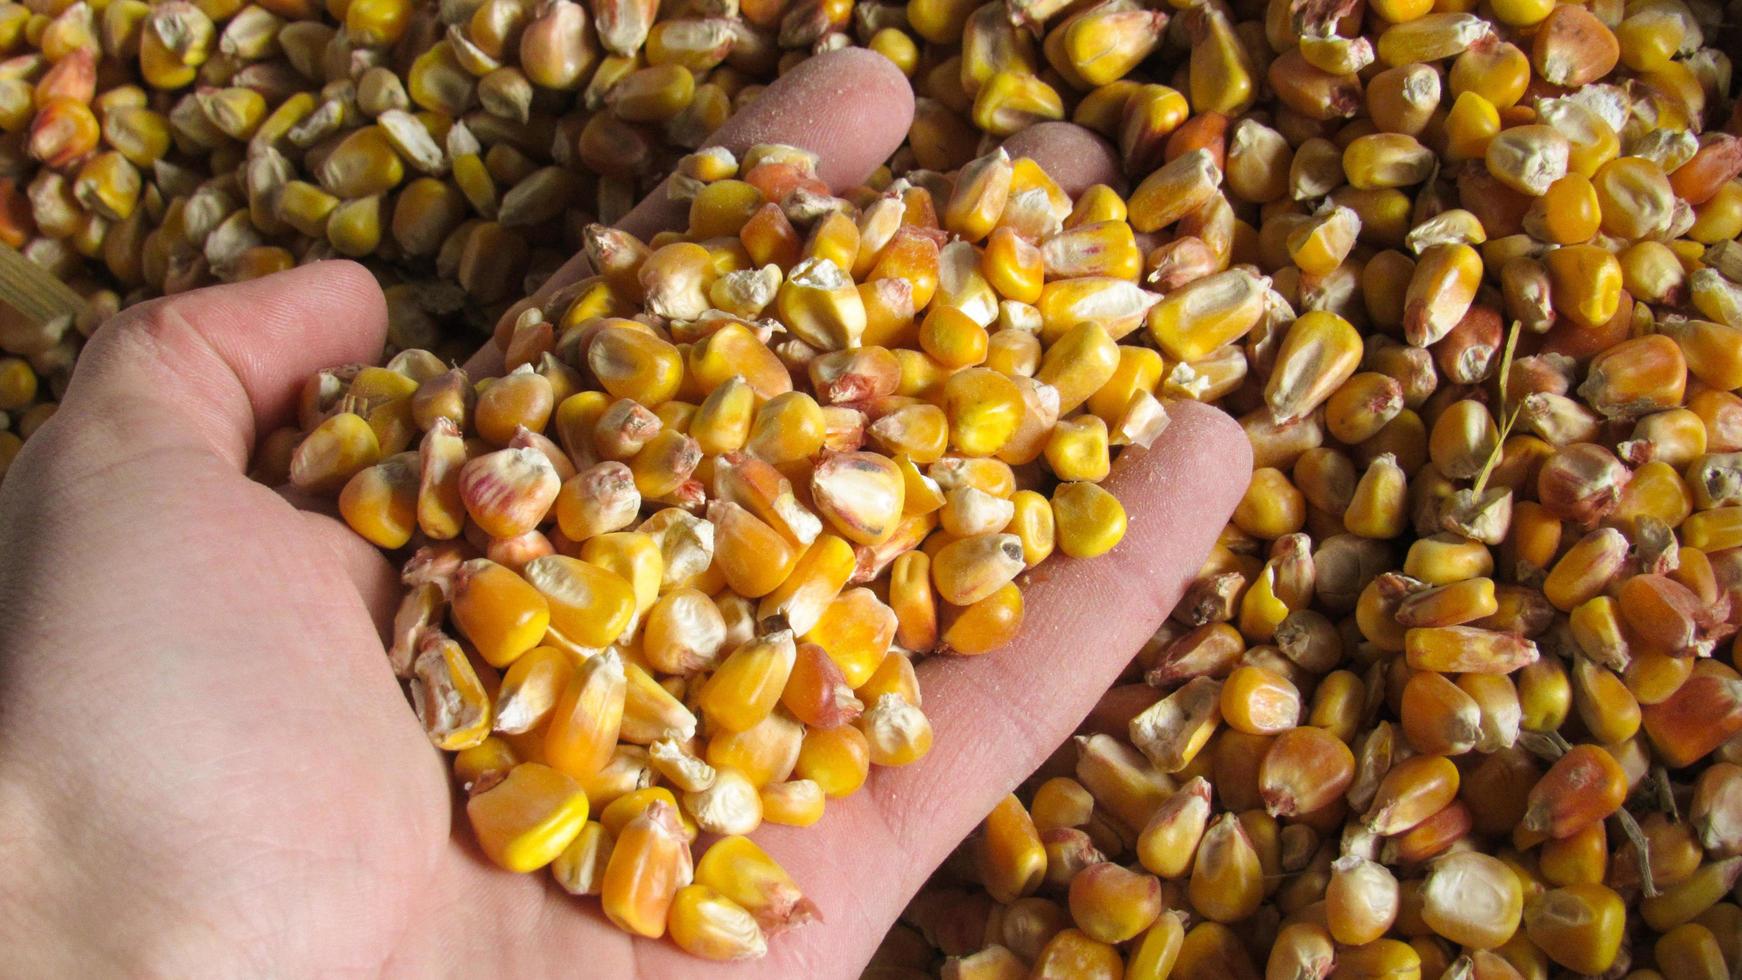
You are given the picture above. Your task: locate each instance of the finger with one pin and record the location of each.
(996, 718)
(851, 107)
(212, 367)
(1072, 155)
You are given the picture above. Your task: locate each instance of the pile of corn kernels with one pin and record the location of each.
(1455, 692)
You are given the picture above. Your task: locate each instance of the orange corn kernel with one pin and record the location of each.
(1583, 786)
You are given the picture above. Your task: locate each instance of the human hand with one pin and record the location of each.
(206, 766)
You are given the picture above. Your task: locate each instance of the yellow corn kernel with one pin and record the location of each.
(1009, 102)
(590, 605)
(334, 451)
(1714, 530)
(910, 597)
(1361, 901)
(1173, 191)
(1226, 883)
(1463, 440)
(1104, 248)
(1078, 449)
(795, 803)
(450, 700)
(380, 502)
(1121, 779)
(498, 611)
(734, 351)
(1305, 770)
(1472, 899)
(1155, 952)
(821, 304)
(1412, 791)
(1101, 46)
(1170, 838)
(1385, 160)
(747, 685)
(1440, 292)
(1471, 126)
(983, 409)
(722, 421)
(584, 724)
(1013, 266)
(635, 364)
(1117, 304)
(1380, 958)
(1379, 507)
(1095, 204)
(1690, 950)
(1139, 369)
(1171, 732)
(1710, 350)
(1320, 351)
(1320, 244)
(786, 428)
(1090, 521)
(1586, 283)
(650, 862)
(1719, 219)
(1112, 904)
(952, 339)
(530, 689)
(894, 44)
(1259, 701)
(861, 494)
(527, 819)
(984, 626)
(707, 924)
(1261, 609)
(1013, 352)
(1061, 801)
(491, 756)
(1193, 321)
(1690, 897)
(814, 582)
(1634, 196)
(634, 557)
(1581, 857)
(1579, 926)
(1008, 853)
(896, 731)
(1569, 212)
(836, 759)
(1220, 72)
(1071, 953)
(855, 628)
(981, 190)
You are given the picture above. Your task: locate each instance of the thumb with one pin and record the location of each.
(207, 370)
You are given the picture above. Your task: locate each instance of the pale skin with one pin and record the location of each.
(207, 768)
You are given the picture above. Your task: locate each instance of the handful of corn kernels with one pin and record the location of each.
(672, 570)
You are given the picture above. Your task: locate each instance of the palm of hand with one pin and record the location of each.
(218, 742)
